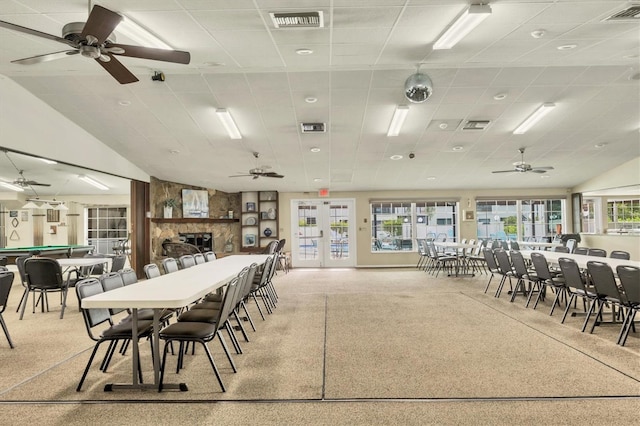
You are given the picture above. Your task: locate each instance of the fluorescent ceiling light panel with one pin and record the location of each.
(534, 118)
(397, 120)
(228, 123)
(46, 160)
(128, 28)
(465, 23)
(12, 186)
(93, 182)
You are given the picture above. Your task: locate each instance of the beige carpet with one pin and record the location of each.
(368, 346)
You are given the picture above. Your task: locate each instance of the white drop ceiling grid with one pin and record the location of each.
(360, 61)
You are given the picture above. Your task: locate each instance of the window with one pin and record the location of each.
(589, 224)
(395, 225)
(106, 226)
(519, 219)
(623, 215)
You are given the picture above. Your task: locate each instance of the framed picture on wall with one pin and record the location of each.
(53, 215)
(249, 240)
(24, 216)
(195, 203)
(13, 213)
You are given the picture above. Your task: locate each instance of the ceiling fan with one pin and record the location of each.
(22, 181)
(25, 183)
(94, 39)
(522, 167)
(259, 171)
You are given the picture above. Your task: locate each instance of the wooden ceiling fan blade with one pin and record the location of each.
(31, 183)
(101, 23)
(544, 168)
(117, 70)
(45, 58)
(504, 171)
(272, 174)
(240, 175)
(538, 171)
(177, 56)
(14, 27)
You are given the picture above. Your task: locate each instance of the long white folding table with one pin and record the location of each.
(539, 244)
(172, 290)
(460, 253)
(581, 259)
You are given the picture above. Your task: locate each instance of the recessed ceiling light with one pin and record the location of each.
(600, 145)
(124, 102)
(458, 148)
(174, 151)
(396, 157)
(213, 64)
(567, 47)
(311, 100)
(304, 52)
(500, 96)
(538, 33)
(315, 149)
(431, 178)
(317, 180)
(545, 176)
(443, 125)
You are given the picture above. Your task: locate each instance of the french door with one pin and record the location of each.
(323, 233)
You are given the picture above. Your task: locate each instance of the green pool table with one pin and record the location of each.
(55, 252)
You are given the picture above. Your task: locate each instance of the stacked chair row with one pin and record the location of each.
(199, 323)
(596, 285)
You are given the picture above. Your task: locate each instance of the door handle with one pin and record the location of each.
(321, 234)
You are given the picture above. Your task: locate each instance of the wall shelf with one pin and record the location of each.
(193, 220)
(262, 207)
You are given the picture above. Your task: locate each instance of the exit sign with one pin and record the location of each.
(324, 192)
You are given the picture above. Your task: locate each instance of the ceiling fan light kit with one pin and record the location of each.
(522, 167)
(259, 171)
(95, 40)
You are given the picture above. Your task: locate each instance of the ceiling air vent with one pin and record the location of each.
(297, 20)
(629, 14)
(476, 125)
(313, 127)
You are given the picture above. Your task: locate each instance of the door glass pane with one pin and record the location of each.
(308, 232)
(339, 217)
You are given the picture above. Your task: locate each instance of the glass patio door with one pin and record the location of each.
(323, 233)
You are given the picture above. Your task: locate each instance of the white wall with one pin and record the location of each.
(624, 176)
(365, 256)
(29, 125)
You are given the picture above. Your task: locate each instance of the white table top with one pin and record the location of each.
(81, 261)
(453, 244)
(538, 244)
(580, 259)
(177, 288)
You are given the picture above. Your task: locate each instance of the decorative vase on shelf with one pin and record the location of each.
(169, 204)
(267, 232)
